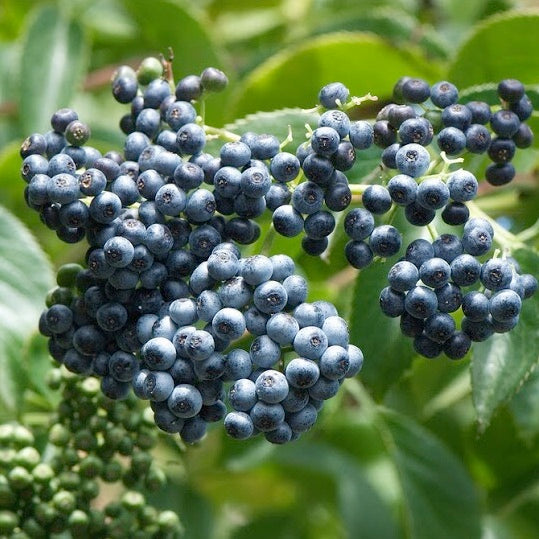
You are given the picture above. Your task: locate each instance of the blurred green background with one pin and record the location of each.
(413, 448)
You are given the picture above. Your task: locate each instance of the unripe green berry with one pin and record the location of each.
(22, 436)
(96, 521)
(19, 478)
(155, 479)
(64, 411)
(130, 479)
(132, 422)
(67, 274)
(112, 471)
(146, 439)
(85, 440)
(78, 522)
(125, 447)
(59, 295)
(90, 387)
(89, 489)
(8, 522)
(59, 524)
(53, 379)
(114, 436)
(133, 500)
(42, 473)
(90, 467)
(28, 457)
(6, 434)
(64, 502)
(59, 435)
(141, 462)
(7, 457)
(8, 498)
(34, 529)
(69, 480)
(70, 456)
(45, 513)
(148, 515)
(113, 509)
(168, 521)
(149, 69)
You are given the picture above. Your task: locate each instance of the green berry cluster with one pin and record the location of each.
(91, 441)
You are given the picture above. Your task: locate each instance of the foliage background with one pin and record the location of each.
(413, 448)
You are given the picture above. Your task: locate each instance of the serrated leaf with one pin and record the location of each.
(502, 364)
(53, 57)
(354, 59)
(25, 277)
(276, 123)
(501, 47)
(438, 496)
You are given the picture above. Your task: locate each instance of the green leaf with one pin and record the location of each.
(501, 364)
(354, 491)
(387, 352)
(480, 58)
(438, 497)
(352, 58)
(53, 58)
(525, 407)
(277, 123)
(25, 277)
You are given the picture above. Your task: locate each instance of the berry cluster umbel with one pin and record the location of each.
(437, 279)
(166, 293)
(167, 304)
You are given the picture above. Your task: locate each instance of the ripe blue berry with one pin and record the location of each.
(496, 274)
(421, 302)
(385, 241)
(185, 401)
(412, 160)
(432, 194)
(333, 94)
(376, 199)
(443, 94)
(402, 189)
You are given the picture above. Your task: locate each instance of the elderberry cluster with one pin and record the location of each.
(460, 127)
(167, 306)
(91, 440)
(434, 280)
(166, 294)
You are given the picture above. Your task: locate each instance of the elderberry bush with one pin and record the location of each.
(167, 307)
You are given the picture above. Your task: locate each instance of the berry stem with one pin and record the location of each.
(357, 188)
(268, 241)
(223, 134)
(529, 233)
(432, 231)
(289, 138)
